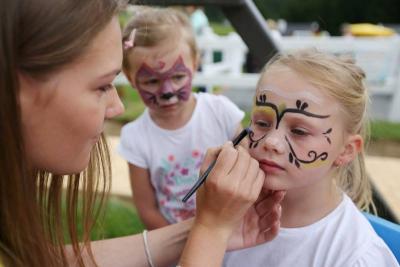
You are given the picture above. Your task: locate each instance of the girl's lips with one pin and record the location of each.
(270, 166)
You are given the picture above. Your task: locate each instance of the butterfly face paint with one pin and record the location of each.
(163, 88)
(295, 129)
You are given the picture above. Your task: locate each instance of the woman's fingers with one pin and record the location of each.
(268, 201)
(225, 159)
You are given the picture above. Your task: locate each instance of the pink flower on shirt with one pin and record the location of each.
(195, 153)
(171, 157)
(184, 171)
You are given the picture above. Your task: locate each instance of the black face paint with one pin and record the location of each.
(312, 154)
(326, 135)
(261, 101)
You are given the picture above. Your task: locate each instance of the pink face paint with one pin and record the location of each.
(155, 87)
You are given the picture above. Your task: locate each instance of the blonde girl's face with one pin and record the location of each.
(296, 133)
(63, 116)
(163, 75)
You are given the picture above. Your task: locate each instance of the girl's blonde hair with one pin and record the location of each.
(341, 79)
(156, 25)
(38, 38)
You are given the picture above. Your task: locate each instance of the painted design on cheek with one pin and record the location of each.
(165, 84)
(293, 158)
(326, 135)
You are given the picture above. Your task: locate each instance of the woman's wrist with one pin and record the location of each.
(206, 245)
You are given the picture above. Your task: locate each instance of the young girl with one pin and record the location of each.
(165, 145)
(308, 128)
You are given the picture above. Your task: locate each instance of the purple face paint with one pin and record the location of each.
(156, 87)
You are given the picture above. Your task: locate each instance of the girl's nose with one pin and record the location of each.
(274, 141)
(115, 106)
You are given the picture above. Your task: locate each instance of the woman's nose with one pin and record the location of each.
(115, 106)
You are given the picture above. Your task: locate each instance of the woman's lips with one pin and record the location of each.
(270, 166)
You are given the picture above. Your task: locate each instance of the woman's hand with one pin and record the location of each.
(261, 222)
(232, 186)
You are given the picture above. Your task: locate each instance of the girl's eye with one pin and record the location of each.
(178, 77)
(263, 124)
(107, 87)
(299, 132)
(151, 82)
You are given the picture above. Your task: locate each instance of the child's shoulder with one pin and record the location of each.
(215, 102)
(137, 125)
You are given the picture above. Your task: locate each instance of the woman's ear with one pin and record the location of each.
(353, 145)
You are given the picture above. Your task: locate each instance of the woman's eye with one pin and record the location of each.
(299, 132)
(107, 87)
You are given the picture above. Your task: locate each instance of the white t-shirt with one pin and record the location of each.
(174, 157)
(343, 238)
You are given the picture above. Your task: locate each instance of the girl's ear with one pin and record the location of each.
(354, 145)
(196, 62)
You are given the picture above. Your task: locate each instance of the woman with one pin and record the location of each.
(58, 62)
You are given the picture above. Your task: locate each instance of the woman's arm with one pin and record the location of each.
(165, 246)
(144, 197)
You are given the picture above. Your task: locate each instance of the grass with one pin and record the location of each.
(383, 130)
(120, 219)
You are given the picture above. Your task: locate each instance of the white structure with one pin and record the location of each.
(379, 58)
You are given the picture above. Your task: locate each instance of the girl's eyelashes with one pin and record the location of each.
(153, 81)
(178, 77)
(299, 132)
(263, 124)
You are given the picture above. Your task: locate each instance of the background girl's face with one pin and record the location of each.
(63, 115)
(297, 134)
(163, 75)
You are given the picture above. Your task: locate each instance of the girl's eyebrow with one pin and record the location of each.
(300, 94)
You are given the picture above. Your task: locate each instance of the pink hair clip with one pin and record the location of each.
(131, 40)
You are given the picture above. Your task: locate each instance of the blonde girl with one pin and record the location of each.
(309, 123)
(165, 146)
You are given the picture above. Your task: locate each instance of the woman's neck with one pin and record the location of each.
(177, 119)
(307, 205)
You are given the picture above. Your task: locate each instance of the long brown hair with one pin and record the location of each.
(37, 38)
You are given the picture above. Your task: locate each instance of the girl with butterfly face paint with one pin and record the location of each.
(307, 132)
(166, 144)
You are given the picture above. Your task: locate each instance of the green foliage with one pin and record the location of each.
(132, 102)
(222, 29)
(331, 14)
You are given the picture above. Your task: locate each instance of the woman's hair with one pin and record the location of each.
(39, 37)
(156, 25)
(341, 79)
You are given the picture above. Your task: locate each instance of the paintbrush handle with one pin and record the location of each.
(203, 177)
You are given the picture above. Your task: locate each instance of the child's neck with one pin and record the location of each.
(177, 119)
(304, 206)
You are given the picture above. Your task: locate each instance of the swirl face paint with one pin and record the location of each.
(296, 126)
(158, 88)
